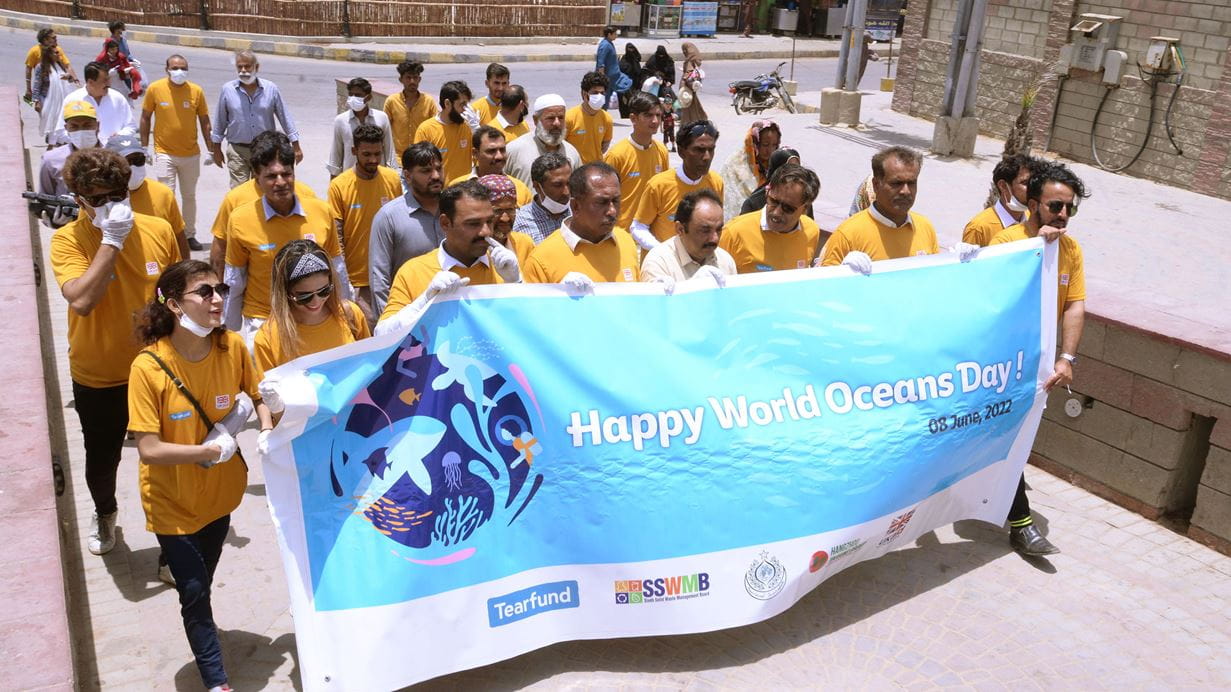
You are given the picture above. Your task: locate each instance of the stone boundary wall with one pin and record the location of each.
(1152, 431)
(35, 646)
(1011, 59)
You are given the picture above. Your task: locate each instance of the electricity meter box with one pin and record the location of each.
(1092, 37)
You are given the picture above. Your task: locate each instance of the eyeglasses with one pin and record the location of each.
(506, 211)
(787, 209)
(104, 197)
(207, 292)
(1056, 205)
(305, 298)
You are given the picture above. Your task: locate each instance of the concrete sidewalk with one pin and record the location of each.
(433, 50)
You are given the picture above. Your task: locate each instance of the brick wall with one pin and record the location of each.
(1153, 431)
(1018, 27)
(1023, 40)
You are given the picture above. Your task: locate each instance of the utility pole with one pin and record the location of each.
(957, 127)
(842, 103)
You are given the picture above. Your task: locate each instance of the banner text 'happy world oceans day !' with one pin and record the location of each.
(639, 429)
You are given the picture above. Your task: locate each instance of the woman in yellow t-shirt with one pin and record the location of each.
(306, 311)
(184, 410)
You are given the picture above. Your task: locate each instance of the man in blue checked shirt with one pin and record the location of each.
(247, 107)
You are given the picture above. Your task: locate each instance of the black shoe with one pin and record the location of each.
(1028, 541)
(195, 245)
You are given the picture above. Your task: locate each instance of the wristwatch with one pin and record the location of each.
(1072, 359)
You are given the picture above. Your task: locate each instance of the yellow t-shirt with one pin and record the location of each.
(413, 277)
(253, 242)
(333, 332)
(511, 132)
(101, 345)
(635, 166)
(355, 202)
(184, 498)
(589, 133)
(36, 54)
(757, 250)
(524, 195)
(864, 233)
(241, 195)
(984, 226)
(1070, 272)
(156, 199)
(615, 258)
(406, 120)
(662, 196)
(453, 141)
(485, 108)
(176, 110)
(521, 245)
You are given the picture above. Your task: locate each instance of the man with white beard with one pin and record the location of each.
(549, 131)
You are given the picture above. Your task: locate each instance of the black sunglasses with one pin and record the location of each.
(207, 292)
(305, 298)
(1056, 205)
(102, 198)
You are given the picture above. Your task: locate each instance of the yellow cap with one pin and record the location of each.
(79, 109)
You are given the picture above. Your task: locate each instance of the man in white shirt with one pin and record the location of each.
(548, 136)
(115, 113)
(693, 251)
(358, 112)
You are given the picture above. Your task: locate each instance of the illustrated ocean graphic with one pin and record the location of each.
(439, 445)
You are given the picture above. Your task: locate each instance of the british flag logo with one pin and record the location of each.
(896, 527)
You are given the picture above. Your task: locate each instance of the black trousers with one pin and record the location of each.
(1019, 511)
(104, 423)
(193, 559)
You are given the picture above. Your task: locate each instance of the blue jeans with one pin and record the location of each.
(192, 559)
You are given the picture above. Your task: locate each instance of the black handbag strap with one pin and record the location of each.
(209, 424)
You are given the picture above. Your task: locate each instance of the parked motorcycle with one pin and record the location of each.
(761, 93)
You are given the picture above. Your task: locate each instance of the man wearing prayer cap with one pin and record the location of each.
(504, 208)
(549, 132)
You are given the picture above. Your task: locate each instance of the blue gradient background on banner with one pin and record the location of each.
(746, 486)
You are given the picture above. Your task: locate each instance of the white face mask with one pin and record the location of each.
(83, 139)
(356, 103)
(246, 77)
(546, 137)
(596, 101)
(191, 325)
(177, 76)
(550, 204)
(1015, 206)
(137, 177)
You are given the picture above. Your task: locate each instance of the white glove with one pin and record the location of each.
(667, 282)
(262, 442)
(268, 389)
(117, 223)
(443, 283)
(220, 438)
(713, 273)
(644, 237)
(504, 261)
(966, 251)
(858, 261)
(471, 117)
(578, 283)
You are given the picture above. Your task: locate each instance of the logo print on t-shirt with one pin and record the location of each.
(309, 236)
(628, 274)
(1064, 279)
(222, 401)
(180, 415)
(151, 268)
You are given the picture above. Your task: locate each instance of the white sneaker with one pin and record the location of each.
(102, 533)
(164, 575)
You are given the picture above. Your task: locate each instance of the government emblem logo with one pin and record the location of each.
(765, 577)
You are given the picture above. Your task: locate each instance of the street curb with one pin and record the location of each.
(295, 49)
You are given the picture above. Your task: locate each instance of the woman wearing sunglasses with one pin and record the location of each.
(182, 386)
(307, 313)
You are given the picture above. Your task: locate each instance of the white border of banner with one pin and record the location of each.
(329, 660)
